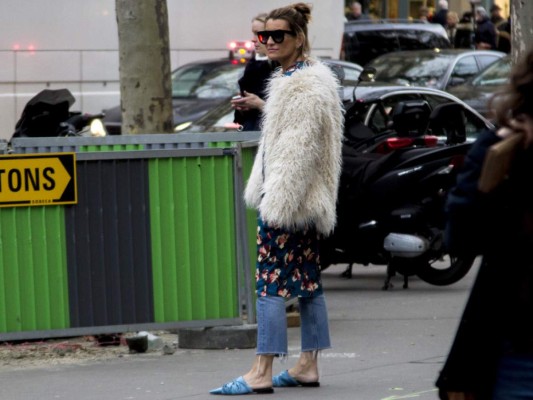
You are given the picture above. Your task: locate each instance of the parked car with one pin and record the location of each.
(477, 91)
(436, 68)
(363, 41)
(349, 71)
(369, 112)
(201, 86)
(197, 87)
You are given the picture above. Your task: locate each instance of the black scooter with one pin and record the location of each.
(392, 195)
(47, 114)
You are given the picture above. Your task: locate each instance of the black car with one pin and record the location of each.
(365, 40)
(477, 91)
(369, 113)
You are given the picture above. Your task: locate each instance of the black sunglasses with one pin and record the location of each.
(277, 36)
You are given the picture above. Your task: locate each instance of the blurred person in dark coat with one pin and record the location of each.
(491, 357)
(440, 16)
(356, 12)
(503, 29)
(464, 32)
(485, 33)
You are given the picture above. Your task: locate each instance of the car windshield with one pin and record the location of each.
(422, 70)
(494, 75)
(203, 81)
(364, 41)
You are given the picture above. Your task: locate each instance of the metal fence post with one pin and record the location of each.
(242, 237)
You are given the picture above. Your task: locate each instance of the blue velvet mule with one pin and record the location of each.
(239, 386)
(285, 380)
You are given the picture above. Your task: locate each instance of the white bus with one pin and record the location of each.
(73, 44)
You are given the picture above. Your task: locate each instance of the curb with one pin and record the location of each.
(219, 337)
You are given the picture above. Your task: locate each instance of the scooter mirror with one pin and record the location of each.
(367, 75)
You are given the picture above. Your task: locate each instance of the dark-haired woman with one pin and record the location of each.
(492, 355)
(293, 185)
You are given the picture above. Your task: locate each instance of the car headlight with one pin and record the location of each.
(182, 126)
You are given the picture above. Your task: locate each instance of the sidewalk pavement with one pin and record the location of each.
(388, 345)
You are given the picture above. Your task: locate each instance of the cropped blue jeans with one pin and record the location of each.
(272, 324)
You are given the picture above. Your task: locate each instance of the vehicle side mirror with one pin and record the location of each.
(367, 74)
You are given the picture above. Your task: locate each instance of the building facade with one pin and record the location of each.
(409, 9)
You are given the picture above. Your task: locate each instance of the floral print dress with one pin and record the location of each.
(288, 262)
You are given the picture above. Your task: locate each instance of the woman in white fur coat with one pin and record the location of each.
(293, 185)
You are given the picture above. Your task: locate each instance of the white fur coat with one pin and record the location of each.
(295, 176)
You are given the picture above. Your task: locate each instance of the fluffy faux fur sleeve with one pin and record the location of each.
(295, 177)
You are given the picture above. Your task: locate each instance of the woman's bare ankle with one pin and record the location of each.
(260, 376)
(306, 369)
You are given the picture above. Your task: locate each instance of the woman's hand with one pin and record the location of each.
(483, 46)
(248, 102)
(504, 132)
(523, 124)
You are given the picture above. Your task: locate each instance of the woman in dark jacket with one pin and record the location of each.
(252, 85)
(492, 354)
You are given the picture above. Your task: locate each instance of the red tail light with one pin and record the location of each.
(395, 143)
(430, 140)
(420, 141)
(399, 143)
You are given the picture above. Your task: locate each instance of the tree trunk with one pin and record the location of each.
(521, 27)
(145, 86)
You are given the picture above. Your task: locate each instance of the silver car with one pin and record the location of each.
(435, 68)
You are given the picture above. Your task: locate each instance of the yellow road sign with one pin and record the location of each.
(38, 179)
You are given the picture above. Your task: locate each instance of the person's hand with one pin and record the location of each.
(483, 46)
(523, 124)
(504, 132)
(247, 102)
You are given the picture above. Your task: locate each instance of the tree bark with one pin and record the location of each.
(521, 27)
(144, 56)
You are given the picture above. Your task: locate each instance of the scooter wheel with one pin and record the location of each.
(453, 271)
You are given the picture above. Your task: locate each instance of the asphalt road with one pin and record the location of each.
(388, 345)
